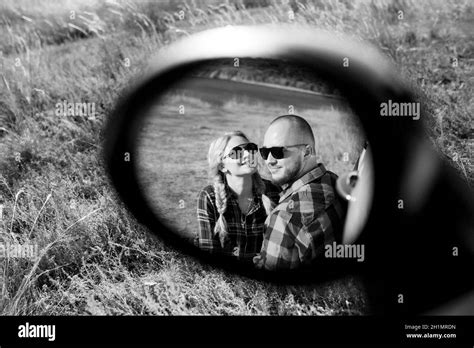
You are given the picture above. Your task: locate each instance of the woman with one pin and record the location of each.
(231, 212)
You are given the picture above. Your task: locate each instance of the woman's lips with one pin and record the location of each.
(249, 165)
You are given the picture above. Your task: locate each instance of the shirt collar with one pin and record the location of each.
(289, 189)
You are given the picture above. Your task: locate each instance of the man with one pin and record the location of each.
(310, 213)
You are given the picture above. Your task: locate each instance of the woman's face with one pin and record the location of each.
(248, 163)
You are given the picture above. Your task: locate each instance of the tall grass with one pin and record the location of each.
(94, 257)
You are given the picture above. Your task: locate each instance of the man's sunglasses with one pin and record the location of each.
(237, 151)
(278, 152)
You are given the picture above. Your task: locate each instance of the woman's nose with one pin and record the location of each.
(251, 157)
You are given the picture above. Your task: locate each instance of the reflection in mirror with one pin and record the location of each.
(221, 171)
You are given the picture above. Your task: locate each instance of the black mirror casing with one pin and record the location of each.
(409, 250)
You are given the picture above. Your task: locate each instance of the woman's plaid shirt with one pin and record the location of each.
(310, 214)
(245, 232)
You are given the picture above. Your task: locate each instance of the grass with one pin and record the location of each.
(96, 259)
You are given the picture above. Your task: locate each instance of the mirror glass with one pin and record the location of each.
(201, 163)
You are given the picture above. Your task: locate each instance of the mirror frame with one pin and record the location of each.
(368, 81)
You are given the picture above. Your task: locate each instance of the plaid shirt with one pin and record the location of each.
(245, 232)
(310, 215)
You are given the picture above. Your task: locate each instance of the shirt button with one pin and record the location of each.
(291, 204)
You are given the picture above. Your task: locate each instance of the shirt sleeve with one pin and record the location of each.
(311, 235)
(277, 249)
(313, 230)
(206, 216)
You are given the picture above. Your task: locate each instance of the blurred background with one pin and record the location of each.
(94, 257)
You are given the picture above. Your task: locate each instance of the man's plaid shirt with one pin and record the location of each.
(310, 214)
(245, 232)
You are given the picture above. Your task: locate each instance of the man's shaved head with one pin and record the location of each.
(286, 131)
(289, 130)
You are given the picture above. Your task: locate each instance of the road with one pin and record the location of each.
(217, 91)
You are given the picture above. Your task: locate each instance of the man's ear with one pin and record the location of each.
(308, 151)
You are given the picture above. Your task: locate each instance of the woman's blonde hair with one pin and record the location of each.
(215, 158)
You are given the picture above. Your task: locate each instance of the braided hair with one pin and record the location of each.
(215, 158)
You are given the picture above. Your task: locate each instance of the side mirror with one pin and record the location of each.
(356, 187)
(411, 210)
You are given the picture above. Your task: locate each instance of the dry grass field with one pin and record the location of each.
(94, 257)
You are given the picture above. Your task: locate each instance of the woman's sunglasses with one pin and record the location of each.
(278, 152)
(237, 151)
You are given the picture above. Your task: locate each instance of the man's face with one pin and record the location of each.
(286, 169)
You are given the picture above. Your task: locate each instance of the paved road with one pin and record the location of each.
(218, 91)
